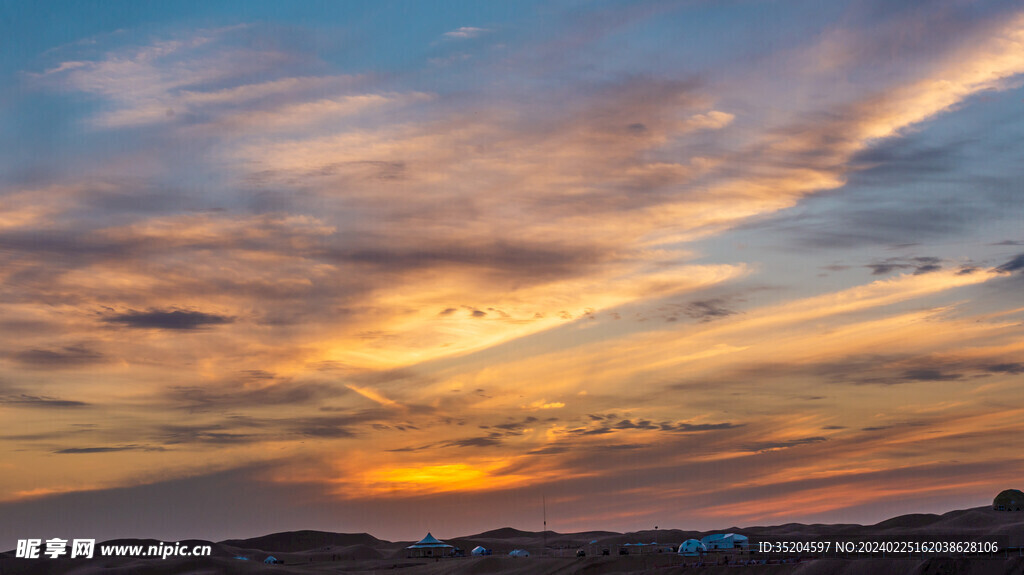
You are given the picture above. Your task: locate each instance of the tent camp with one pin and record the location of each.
(691, 548)
(519, 553)
(725, 541)
(479, 551)
(430, 546)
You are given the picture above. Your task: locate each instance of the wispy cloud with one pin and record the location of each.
(466, 32)
(80, 450)
(65, 357)
(1015, 264)
(24, 400)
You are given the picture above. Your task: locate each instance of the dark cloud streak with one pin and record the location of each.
(62, 358)
(1016, 264)
(81, 450)
(24, 400)
(177, 320)
(708, 310)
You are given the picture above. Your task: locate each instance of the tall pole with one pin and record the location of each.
(544, 506)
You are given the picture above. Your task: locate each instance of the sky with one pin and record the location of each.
(397, 267)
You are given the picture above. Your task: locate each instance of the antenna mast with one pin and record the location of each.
(544, 506)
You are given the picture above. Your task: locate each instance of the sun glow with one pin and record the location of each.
(439, 479)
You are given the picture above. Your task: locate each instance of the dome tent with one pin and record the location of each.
(1009, 500)
(479, 551)
(691, 547)
(519, 553)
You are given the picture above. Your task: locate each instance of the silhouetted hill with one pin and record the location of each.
(293, 541)
(911, 521)
(506, 533)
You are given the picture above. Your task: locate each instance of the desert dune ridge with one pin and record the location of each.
(326, 552)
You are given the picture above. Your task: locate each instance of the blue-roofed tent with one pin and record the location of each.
(430, 546)
(691, 548)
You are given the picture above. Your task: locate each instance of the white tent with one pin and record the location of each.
(740, 541)
(479, 551)
(271, 560)
(725, 541)
(519, 553)
(692, 547)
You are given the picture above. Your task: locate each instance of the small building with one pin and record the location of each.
(1009, 500)
(725, 541)
(430, 546)
(692, 548)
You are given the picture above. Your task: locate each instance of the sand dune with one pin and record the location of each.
(318, 552)
(304, 541)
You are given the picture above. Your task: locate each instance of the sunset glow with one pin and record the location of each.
(398, 267)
